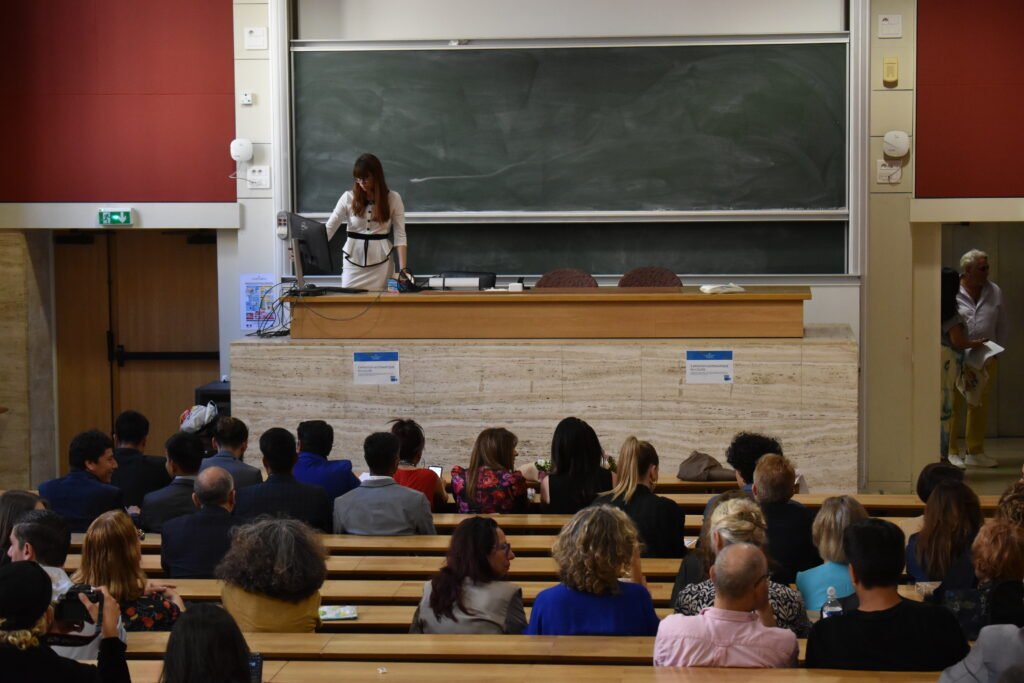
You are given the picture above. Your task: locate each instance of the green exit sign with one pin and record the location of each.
(115, 216)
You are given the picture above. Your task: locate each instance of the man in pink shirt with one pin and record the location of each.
(739, 630)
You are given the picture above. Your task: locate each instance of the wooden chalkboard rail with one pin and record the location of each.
(677, 312)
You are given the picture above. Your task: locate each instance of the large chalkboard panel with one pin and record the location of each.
(742, 127)
(725, 248)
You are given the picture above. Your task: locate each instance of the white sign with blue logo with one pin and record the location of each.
(709, 367)
(380, 367)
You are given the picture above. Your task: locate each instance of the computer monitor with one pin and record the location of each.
(310, 251)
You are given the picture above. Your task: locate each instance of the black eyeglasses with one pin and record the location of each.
(506, 547)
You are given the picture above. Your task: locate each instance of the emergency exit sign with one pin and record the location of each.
(115, 217)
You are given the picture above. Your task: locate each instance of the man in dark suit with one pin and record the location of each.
(85, 493)
(193, 545)
(184, 454)
(231, 439)
(281, 495)
(790, 542)
(136, 474)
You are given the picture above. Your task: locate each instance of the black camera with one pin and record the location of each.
(70, 608)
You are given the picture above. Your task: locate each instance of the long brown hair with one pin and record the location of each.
(468, 558)
(952, 518)
(111, 557)
(494, 449)
(369, 166)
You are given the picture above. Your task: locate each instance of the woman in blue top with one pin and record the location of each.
(836, 513)
(597, 546)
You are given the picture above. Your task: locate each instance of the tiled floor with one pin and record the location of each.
(1010, 454)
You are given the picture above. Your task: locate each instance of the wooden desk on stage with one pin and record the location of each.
(603, 313)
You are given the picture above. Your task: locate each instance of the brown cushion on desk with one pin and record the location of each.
(566, 277)
(650, 276)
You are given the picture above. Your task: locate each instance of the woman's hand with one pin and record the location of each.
(635, 568)
(167, 591)
(111, 616)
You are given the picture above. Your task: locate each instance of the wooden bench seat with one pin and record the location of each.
(877, 504)
(414, 567)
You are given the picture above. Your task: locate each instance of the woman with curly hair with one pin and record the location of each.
(740, 520)
(26, 616)
(491, 483)
(597, 547)
(272, 576)
(942, 549)
(469, 594)
(112, 557)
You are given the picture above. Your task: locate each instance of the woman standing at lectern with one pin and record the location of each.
(375, 225)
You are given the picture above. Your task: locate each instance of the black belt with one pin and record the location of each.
(367, 238)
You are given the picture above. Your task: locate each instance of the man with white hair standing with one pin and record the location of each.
(980, 303)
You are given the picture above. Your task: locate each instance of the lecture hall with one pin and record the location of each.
(562, 339)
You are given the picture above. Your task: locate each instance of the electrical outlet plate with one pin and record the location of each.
(258, 177)
(245, 97)
(255, 37)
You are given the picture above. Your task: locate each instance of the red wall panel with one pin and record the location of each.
(116, 100)
(970, 99)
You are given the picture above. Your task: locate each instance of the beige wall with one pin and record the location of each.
(26, 372)
(887, 336)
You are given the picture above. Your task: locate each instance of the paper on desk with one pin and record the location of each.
(721, 289)
(977, 358)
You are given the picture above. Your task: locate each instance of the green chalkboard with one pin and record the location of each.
(711, 127)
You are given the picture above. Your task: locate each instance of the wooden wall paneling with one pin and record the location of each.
(14, 397)
(82, 306)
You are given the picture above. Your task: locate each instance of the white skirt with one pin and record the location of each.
(370, 278)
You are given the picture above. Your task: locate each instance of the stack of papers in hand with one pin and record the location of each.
(338, 613)
(977, 358)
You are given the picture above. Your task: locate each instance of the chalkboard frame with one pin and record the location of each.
(837, 213)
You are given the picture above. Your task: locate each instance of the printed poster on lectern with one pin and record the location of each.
(380, 367)
(709, 367)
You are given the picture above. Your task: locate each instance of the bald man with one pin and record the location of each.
(739, 630)
(193, 545)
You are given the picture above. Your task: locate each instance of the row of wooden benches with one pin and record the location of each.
(390, 670)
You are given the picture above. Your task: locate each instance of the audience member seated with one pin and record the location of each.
(696, 565)
(193, 545)
(740, 520)
(742, 455)
(660, 521)
(594, 549)
(206, 645)
(1011, 504)
(272, 577)
(184, 454)
(836, 513)
(739, 630)
(998, 552)
(85, 493)
(13, 504)
(316, 439)
(491, 483)
(997, 649)
(136, 474)
(231, 439)
(112, 557)
(886, 632)
(931, 476)
(576, 476)
(381, 507)
(469, 594)
(281, 495)
(26, 615)
(942, 550)
(42, 536)
(201, 421)
(790, 543)
(410, 474)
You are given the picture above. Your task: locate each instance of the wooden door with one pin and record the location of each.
(82, 306)
(164, 322)
(137, 317)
